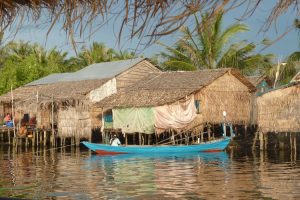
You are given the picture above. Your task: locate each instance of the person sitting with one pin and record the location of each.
(7, 118)
(8, 121)
(32, 120)
(114, 141)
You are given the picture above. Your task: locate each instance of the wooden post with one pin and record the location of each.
(36, 133)
(295, 146)
(254, 141)
(26, 142)
(45, 138)
(266, 141)
(140, 138)
(149, 139)
(8, 136)
(33, 138)
(173, 137)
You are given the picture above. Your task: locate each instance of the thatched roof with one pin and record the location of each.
(61, 91)
(167, 87)
(140, 17)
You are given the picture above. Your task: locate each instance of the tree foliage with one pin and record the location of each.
(210, 47)
(22, 62)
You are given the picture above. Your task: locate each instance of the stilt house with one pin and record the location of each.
(65, 101)
(180, 101)
(279, 109)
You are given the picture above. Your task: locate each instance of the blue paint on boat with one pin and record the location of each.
(217, 145)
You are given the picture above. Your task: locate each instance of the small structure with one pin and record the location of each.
(65, 101)
(262, 83)
(181, 101)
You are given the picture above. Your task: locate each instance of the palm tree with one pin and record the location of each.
(96, 53)
(209, 47)
(123, 55)
(285, 70)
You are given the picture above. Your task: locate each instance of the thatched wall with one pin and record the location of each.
(228, 94)
(279, 110)
(73, 122)
(96, 117)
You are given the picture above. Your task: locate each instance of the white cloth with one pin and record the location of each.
(175, 116)
(107, 89)
(115, 142)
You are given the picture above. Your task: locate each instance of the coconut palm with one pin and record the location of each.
(96, 53)
(210, 47)
(285, 70)
(123, 55)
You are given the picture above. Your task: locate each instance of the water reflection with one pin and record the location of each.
(76, 174)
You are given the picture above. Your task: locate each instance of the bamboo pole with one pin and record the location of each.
(52, 120)
(12, 110)
(35, 133)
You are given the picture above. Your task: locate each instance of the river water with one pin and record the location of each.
(76, 173)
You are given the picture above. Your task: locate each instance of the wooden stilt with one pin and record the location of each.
(8, 136)
(295, 147)
(254, 141)
(149, 139)
(266, 141)
(261, 141)
(45, 138)
(173, 138)
(140, 138)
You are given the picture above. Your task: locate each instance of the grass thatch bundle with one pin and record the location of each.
(279, 110)
(151, 18)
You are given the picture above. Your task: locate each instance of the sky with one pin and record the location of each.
(108, 34)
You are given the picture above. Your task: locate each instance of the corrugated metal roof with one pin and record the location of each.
(52, 78)
(91, 72)
(103, 70)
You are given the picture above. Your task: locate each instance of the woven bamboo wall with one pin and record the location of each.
(74, 123)
(279, 110)
(96, 117)
(225, 94)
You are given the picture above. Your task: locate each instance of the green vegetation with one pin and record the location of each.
(22, 62)
(209, 47)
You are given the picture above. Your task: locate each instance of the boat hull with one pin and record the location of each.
(104, 149)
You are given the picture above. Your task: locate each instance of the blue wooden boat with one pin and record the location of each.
(213, 146)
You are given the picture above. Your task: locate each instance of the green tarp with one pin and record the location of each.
(132, 120)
